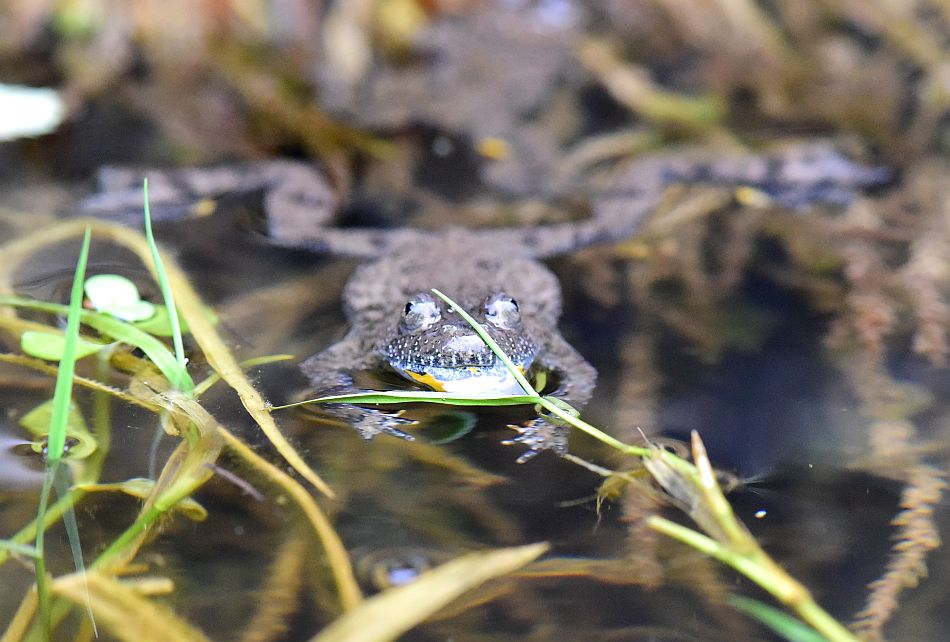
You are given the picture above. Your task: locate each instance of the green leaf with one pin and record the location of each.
(118, 296)
(37, 422)
(174, 371)
(158, 324)
(421, 396)
(56, 445)
(49, 346)
(790, 628)
(183, 383)
(62, 395)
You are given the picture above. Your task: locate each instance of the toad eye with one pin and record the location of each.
(421, 312)
(501, 310)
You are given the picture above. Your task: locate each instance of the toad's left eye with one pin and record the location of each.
(420, 313)
(502, 310)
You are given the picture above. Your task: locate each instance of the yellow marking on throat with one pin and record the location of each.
(427, 380)
(437, 385)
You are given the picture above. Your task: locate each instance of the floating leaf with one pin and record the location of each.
(49, 346)
(37, 422)
(118, 296)
(158, 324)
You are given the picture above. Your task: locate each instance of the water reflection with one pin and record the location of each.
(21, 467)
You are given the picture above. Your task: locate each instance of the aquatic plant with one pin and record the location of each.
(55, 448)
(122, 605)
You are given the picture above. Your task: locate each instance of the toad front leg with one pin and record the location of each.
(575, 384)
(331, 373)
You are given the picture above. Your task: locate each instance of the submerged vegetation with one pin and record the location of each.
(160, 383)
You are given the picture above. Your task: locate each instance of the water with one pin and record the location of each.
(781, 418)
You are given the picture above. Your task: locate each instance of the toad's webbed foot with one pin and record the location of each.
(369, 422)
(539, 435)
(374, 422)
(329, 378)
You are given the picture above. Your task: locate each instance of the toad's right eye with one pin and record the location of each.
(421, 312)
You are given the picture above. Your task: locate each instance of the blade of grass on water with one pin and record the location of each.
(184, 384)
(17, 548)
(56, 442)
(509, 364)
(782, 623)
(62, 395)
(420, 396)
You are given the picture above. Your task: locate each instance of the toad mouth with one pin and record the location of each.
(466, 380)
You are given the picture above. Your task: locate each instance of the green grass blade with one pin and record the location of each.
(17, 548)
(42, 585)
(156, 351)
(421, 396)
(56, 440)
(62, 394)
(184, 384)
(61, 485)
(790, 628)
